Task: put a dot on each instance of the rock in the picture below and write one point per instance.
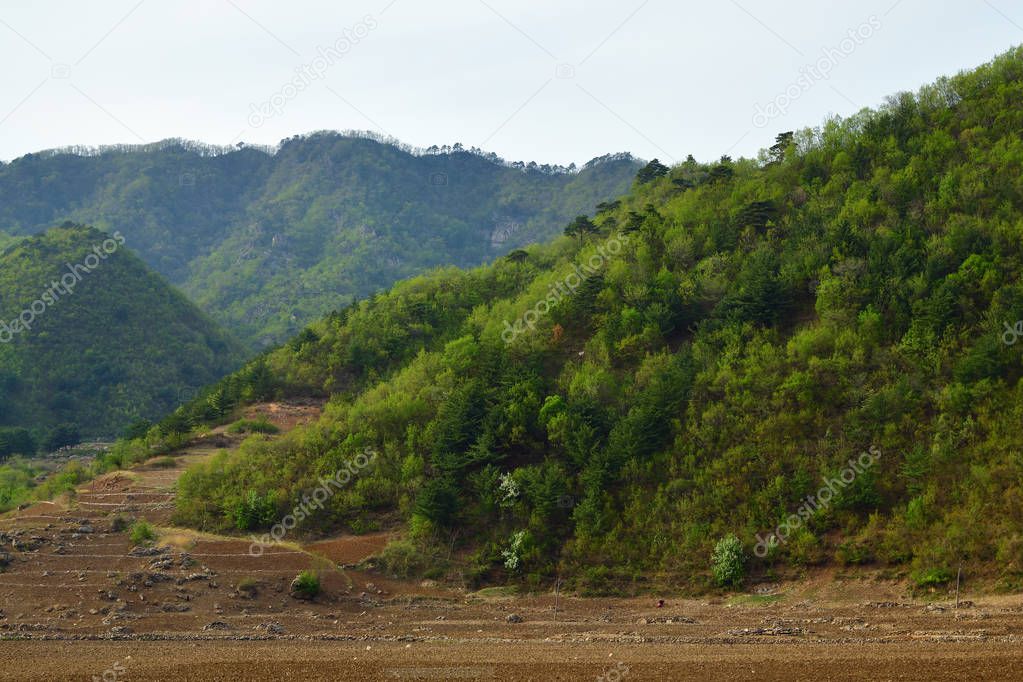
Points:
(514, 618)
(120, 630)
(175, 608)
(87, 529)
(769, 632)
(216, 625)
(271, 627)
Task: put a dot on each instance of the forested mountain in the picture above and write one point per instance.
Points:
(266, 241)
(91, 340)
(700, 360)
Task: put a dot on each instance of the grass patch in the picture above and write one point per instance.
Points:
(505, 592)
(259, 425)
(163, 462)
(754, 599)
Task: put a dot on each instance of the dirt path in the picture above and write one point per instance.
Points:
(77, 601)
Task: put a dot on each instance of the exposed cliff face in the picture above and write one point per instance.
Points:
(504, 229)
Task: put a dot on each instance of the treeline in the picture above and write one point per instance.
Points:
(268, 240)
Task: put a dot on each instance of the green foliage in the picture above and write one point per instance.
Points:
(254, 511)
(728, 562)
(306, 584)
(403, 559)
(141, 533)
(62, 435)
(745, 340)
(927, 578)
(16, 441)
(16, 483)
(260, 425)
(581, 227)
(116, 347)
(650, 172)
(267, 242)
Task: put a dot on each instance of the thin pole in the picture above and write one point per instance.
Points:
(958, 576)
(557, 597)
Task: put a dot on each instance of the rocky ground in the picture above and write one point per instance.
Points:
(78, 600)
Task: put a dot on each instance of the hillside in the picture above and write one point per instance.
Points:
(816, 346)
(267, 241)
(91, 340)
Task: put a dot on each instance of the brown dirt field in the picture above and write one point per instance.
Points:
(352, 549)
(76, 599)
(511, 661)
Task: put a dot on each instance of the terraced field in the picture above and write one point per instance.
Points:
(78, 600)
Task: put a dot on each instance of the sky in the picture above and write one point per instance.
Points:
(552, 81)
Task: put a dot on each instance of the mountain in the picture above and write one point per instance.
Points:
(267, 240)
(744, 367)
(91, 340)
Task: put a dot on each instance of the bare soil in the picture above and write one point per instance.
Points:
(77, 601)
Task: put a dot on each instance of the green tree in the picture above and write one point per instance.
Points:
(650, 172)
(581, 227)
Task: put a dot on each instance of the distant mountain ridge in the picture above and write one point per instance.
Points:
(267, 239)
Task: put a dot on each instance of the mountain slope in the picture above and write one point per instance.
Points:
(90, 337)
(267, 241)
(815, 351)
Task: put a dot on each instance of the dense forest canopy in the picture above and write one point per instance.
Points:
(267, 240)
(692, 371)
(91, 340)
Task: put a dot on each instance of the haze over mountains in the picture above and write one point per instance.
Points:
(266, 241)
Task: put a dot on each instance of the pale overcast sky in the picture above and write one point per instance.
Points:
(556, 81)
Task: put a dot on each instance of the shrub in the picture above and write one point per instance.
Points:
(254, 511)
(119, 523)
(805, 549)
(306, 585)
(248, 587)
(402, 559)
(926, 578)
(852, 552)
(728, 562)
(142, 533)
